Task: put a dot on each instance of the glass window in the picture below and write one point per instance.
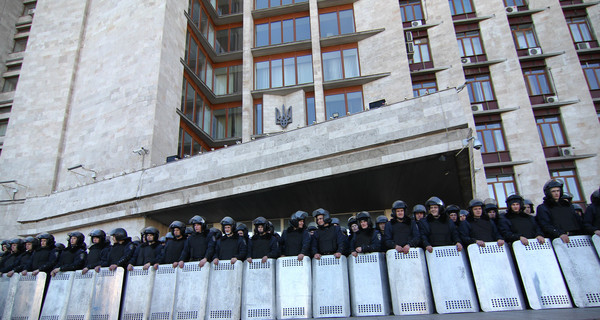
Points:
(209, 76)
(289, 66)
(222, 41)
(338, 105)
(491, 137)
(592, 74)
(187, 144)
(550, 131)
(276, 73)
(570, 182)
(234, 124)
(355, 103)
(524, 36)
(193, 55)
(580, 30)
(201, 66)
(207, 118)
(537, 82)
(262, 79)
(235, 79)
(302, 28)
(199, 111)
(511, 3)
(261, 4)
(285, 31)
(411, 10)
(336, 23)
(500, 187)
(189, 102)
(10, 84)
(480, 88)
(288, 30)
(351, 63)
(20, 45)
(424, 87)
(219, 123)
(262, 35)
(223, 7)
(220, 81)
(204, 24)
(258, 118)
(311, 114)
(305, 70)
(332, 65)
(460, 6)
(469, 43)
(3, 126)
(276, 32)
(283, 72)
(235, 39)
(420, 51)
(346, 21)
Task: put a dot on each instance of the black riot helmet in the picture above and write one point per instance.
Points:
(296, 217)
(515, 198)
(49, 238)
(419, 208)
(100, 234)
(153, 231)
(228, 221)
(33, 240)
(270, 227)
(577, 207)
(241, 227)
(364, 215)
(198, 220)
(435, 201)
(169, 236)
(398, 204)
(335, 221)
(595, 197)
(80, 237)
(529, 203)
(119, 233)
(352, 220)
(189, 231)
(552, 183)
(6, 243)
(260, 221)
(475, 203)
(19, 243)
(324, 213)
(312, 226)
(179, 225)
(452, 209)
(490, 204)
(381, 219)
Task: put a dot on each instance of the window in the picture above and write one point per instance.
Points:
(570, 183)
(592, 74)
(491, 137)
(537, 82)
(480, 88)
(263, 4)
(421, 51)
(20, 45)
(524, 36)
(340, 64)
(500, 187)
(341, 104)
(424, 87)
(225, 7)
(336, 23)
(580, 30)
(258, 118)
(287, 71)
(3, 126)
(27, 7)
(226, 123)
(229, 40)
(411, 10)
(469, 43)
(512, 3)
(311, 114)
(10, 84)
(460, 6)
(282, 31)
(550, 131)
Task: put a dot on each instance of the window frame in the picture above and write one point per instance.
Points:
(569, 181)
(553, 125)
(467, 36)
(280, 19)
(412, 4)
(453, 11)
(503, 180)
(585, 22)
(345, 92)
(525, 29)
(341, 49)
(417, 93)
(538, 73)
(485, 84)
(282, 57)
(337, 10)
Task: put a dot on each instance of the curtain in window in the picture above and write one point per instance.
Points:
(305, 70)
(261, 75)
(351, 68)
(332, 66)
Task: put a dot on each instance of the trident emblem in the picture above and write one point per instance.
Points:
(282, 117)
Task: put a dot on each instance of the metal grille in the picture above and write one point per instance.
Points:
(99, 317)
(293, 311)
(292, 263)
(448, 252)
(368, 308)
(331, 309)
(19, 318)
(165, 270)
(593, 297)
(75, 317)
(259, 265)
(491, 249)
(88, 275)
(28, 278)
(134, 316)
(366, 259)
(62, 276)
(224, 266)
(160, 315)
(554, 300)
(55, 317)
(329, 261)
(185, 315)
(505, 302)
(220, 314)
(535, 245)
(413, 306)
(259, 313)
(138, 272)
(458, 304)
(579, 242)
(106, 273)
(191, 267)
(409, 255)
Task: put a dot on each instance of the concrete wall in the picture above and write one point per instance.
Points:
(11, 11)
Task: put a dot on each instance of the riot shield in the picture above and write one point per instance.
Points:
(106, 300)
(294, 288)
(225, 287)
(258, 290)
(409, 282)
(191, 291)
(369, 285)
(57, 296)
(139, 284)
(331, 296)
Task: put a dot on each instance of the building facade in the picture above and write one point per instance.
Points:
(136, 113)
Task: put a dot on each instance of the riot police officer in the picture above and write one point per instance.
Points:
(437, 229)
(73, 257)
(263, 245)
(230, 245)
(592, 212)
(478, 228)
(149, 252)
(518, 225)
(98, 252)
(295, 240)
(327, 239)
(353, 227)
(312, 228)
(199, 246)
(401, 232)
(452, 212)
(46, 255)
(12, 260)
(529, 207)
(242, 231)
(121, 250)
(367, 239)
(31, 244)
(173, 249)
(419, 212)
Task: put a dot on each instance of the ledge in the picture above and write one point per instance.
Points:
(524, 13)
(471, 20)
(506, 164)
(422, 27)
(282, 91)
(221, 20)
(428, 71)
(356, 81)
(349, 38)
(280, 10)
(541, 56)
(586, 51)
(282, 48)
(333, 3)
(206, 137)
(470, 65)
(575, 157)
(212, 55)
(493, 111)
(580, 5)
(554, 104)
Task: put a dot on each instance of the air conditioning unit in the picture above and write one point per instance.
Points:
(567, 151)
(409, 36)
(534, 51)
(465, 60)
(511, 9)
(31, 11)
(410, 47)
(417, 23)
(583, 45)
(477, 107)
(551, 99)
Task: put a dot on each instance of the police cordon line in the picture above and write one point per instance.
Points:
(442, 259)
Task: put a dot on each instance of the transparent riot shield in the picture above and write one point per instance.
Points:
(258, 290)
(596, 241)
(331, 296)
(108, 288)
(57, 296)
(409, 282)
(495, 277)
(225, 287)
(163, 293)
(80, 299)
(13, 285)
(28, 297)
(369, 284)
(451, 280)
(4, 287)
(581, 267)
(191, 291)
(540, 273)
(139, 284)
(294, 288)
